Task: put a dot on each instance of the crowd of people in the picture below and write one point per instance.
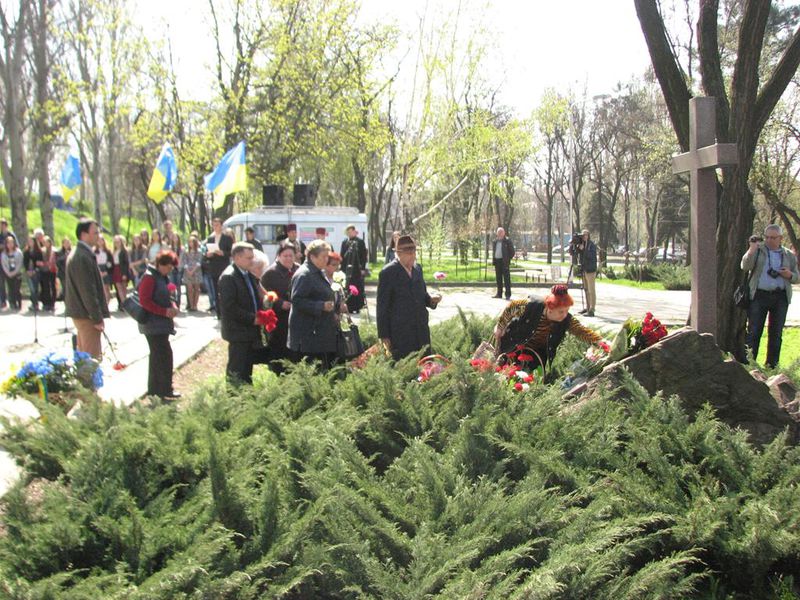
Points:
(311, 290)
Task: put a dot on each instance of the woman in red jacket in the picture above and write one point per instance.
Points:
(158, 300)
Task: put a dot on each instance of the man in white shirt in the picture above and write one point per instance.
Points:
(773, 271)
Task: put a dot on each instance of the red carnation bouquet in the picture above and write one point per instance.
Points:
(267, 319)
(644, 334)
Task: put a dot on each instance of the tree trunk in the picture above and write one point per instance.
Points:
(11, 72)
(45, 203)
(736, 216)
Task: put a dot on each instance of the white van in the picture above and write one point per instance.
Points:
(270, 223)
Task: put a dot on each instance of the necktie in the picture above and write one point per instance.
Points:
(252, 291)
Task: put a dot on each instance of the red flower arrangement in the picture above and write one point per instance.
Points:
(651, 332)
(267, 319)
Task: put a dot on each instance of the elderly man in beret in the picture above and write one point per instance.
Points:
(403, 301)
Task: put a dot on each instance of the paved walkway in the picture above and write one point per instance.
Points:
(194, 331)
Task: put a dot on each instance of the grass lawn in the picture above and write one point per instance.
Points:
(64, 224)
(470, 273)
(474, 272)
(790, 350)
(644, 285)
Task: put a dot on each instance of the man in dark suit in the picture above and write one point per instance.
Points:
(250, 238)
(240, 299)
(84, 297)
(217, 259)
(403, 300)
(354, 264)
(502, 253)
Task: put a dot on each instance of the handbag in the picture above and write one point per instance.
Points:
(348, 342)
(741, 295)
(133, 307)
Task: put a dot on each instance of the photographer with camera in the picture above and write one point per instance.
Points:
(584, 251)
(774, 270)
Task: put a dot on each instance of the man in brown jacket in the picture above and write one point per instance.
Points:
(83, 290)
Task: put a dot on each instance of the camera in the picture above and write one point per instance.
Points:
(755, 238)
(576, 246)
(773, 273)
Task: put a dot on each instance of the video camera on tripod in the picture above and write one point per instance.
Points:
(576, 248)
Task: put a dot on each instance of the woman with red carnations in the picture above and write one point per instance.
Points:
(157, 297)
(532, 329)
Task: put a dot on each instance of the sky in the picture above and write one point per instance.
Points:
(535, 44)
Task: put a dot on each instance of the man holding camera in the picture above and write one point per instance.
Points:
(773, 271)
(587, 251)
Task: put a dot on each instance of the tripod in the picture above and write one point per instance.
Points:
(35, 323)
(569, 282)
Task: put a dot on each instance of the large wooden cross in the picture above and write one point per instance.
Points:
(704, 156)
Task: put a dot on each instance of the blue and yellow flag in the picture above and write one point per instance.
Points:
(70, 177)
(230, 175)
(164, 175)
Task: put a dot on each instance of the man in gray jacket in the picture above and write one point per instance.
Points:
(83, 290)
(774, 270)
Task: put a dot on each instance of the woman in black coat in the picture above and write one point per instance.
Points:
(312, 321)
(156, 299)
(403, 301)
(278, 278)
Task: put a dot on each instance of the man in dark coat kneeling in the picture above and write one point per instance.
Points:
(403, 300)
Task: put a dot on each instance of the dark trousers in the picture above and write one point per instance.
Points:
(47, 283)
(2, 287)
(33, 287)
(211, 280)
(356, 302)
(176, 277)
(241, 358)
(277, 356)
(326, 360)
(502, 275)
(14, 293)
(776, 306)
(159, 376)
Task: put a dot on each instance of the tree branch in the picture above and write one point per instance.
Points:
(710, 65)
(665, 64)
(772, 91)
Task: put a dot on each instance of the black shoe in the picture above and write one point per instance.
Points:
(508, 297)
(171, 397)
(584, 311)
(497, 296)
(590, 313)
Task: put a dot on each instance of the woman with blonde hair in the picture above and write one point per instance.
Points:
(47, 275)
(105, 264)
(190, 261)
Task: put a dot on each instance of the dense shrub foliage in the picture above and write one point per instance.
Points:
(674, 277)
(371, 485)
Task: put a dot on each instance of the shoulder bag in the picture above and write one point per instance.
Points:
(348, 342)
(741, 295)
(133, 307)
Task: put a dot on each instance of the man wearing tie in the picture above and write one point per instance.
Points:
(241, 297)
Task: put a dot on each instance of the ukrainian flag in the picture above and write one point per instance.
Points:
(164, 175)
(70, 177)
(230, 175)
